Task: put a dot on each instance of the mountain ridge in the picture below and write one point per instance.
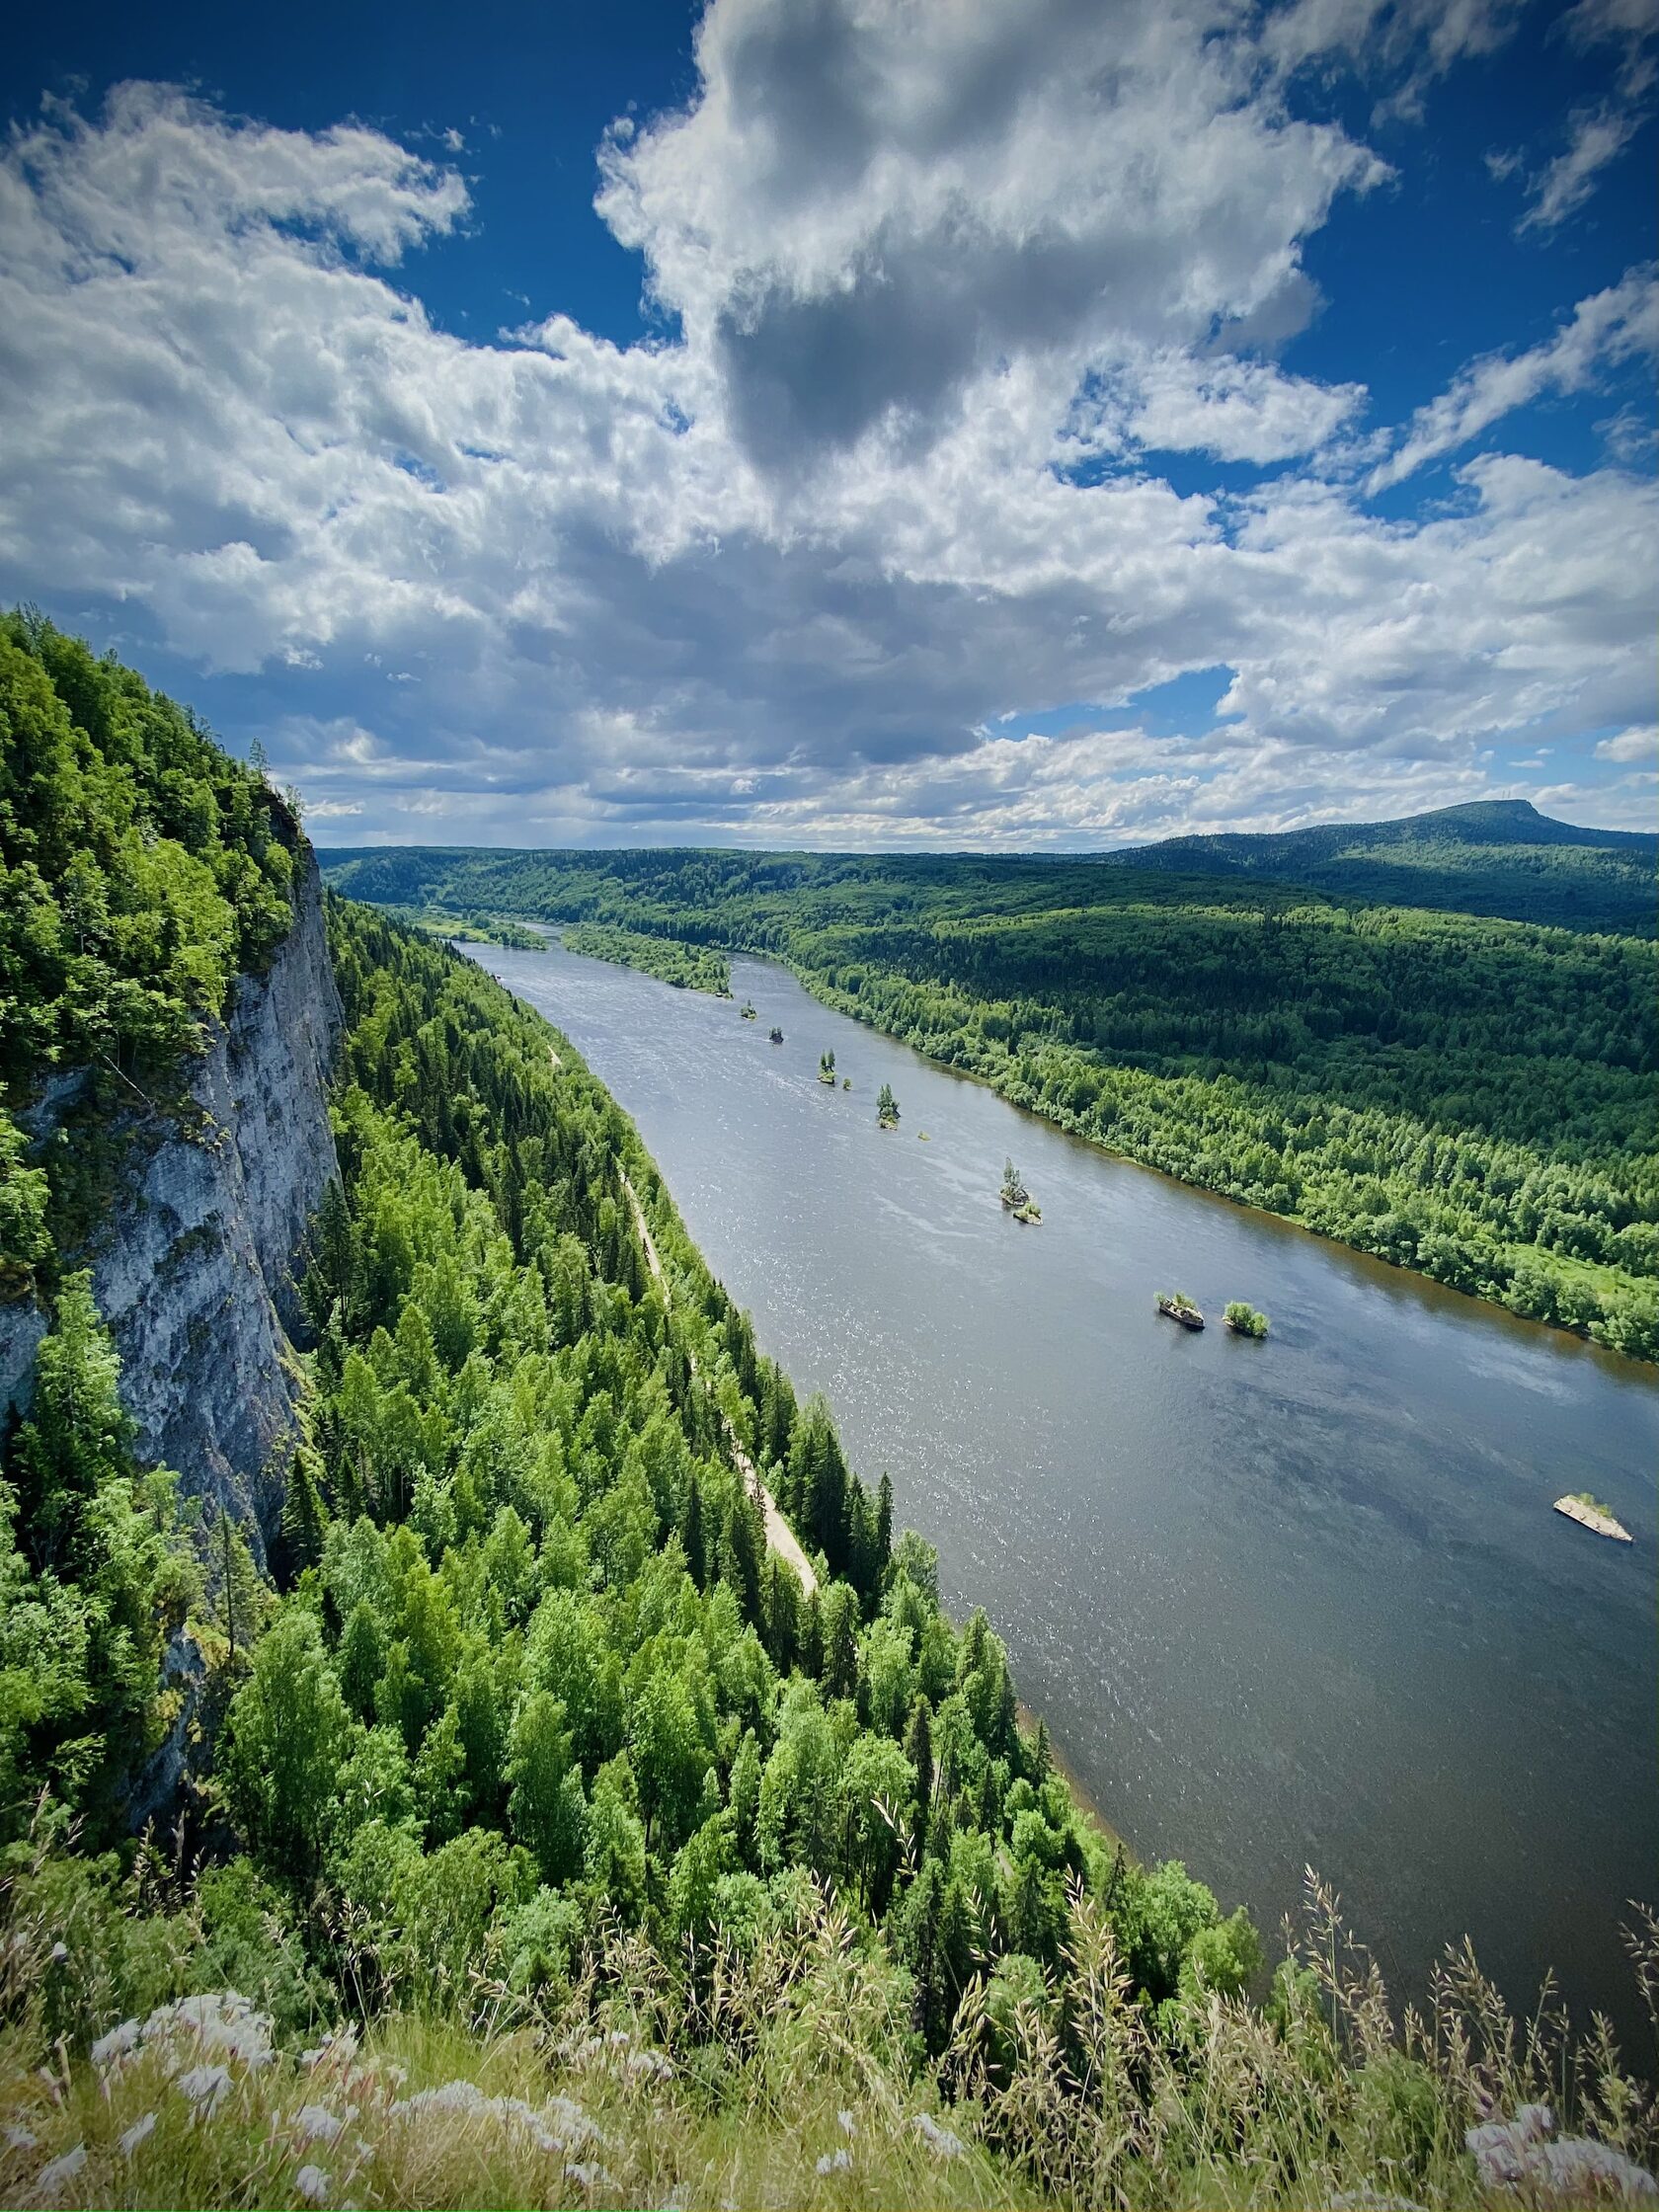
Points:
(1496, 858)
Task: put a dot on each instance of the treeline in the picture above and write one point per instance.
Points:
(1469, 1097)
(686, 967)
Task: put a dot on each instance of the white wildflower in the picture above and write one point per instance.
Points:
(1579, 2168)
(59, 1952)
(338, 2048)
(206, 2087)
(617, 2037)
(313, 2184)
(116, 2043)
(589, 2176)
(1518, 2155)
(848, 2125)
(571, 2120)
(221, 2024)
(139, 2132)
(944, 2141)
(19, 2139)
(836, 2162)
(317, 2124)
(642, 2063)
(448, 2096)
(52, 2177)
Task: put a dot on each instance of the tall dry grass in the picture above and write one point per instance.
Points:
(784, 2071)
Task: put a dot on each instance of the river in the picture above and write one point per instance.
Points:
(1295, 1603)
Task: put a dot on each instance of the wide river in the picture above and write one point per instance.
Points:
(1289, 1603)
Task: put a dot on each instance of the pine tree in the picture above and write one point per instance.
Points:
(691, 1537)
(305, 1515)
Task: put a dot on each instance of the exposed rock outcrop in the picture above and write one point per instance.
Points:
(192, 1269)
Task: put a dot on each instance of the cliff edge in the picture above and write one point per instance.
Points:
(193, 1269)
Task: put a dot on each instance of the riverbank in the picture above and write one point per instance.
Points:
(1008, 1083)
(780, 1537)
(1257, 1595)
(1081, 1795)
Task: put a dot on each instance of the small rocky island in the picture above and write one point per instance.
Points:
(1175, 1305)
(826, 1068)
(1590, 1513)
(1015, 1196)
(777, 1036)
(748, 1010)
(887, 1108)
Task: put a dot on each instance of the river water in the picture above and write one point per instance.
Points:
(1294, 1602)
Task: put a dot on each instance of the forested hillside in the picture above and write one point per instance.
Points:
(531, 1832)
(1495, 856)
(141, 871)
(1470, 1097)
(555, 1846)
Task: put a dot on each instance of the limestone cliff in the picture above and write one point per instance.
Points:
(193, 1269)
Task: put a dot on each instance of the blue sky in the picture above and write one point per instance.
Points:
(1045, 422)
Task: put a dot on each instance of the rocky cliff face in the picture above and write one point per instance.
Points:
(192, 1270)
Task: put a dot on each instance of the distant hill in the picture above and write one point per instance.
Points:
(1494, 856)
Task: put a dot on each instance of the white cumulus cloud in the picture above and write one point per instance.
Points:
(938, 285)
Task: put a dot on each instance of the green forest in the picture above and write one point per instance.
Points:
(1490, 857)
(1469, 1096)
(686, 967)
(547, 1837)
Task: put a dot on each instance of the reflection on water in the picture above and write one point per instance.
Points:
(1300, 1602)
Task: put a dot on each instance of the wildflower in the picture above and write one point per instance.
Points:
(448, 2096)
(139, 2132)
(317, 2124)
(942, 2140)
(591, 2176)
(313, 2184)
(836, 2162)
(206, 2087)
(59, 1952)
(650, 2062)
(338, 2046)
(19, 2139)
(848, 2125)
(1518, 2155)
(116, 2043)
(222, 2022)
(1579, 2168)
(52, 2177)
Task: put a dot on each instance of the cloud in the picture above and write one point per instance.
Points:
(870, 207)
(1611, 326)
(1597, 130)
(687, 588)
(1637, 743)
(1406, 44)
(1598, 136)
(1236, 410)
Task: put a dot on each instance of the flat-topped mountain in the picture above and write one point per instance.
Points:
(1491, 856)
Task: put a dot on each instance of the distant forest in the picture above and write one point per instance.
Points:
(1498, 856)
(1463, 1094)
